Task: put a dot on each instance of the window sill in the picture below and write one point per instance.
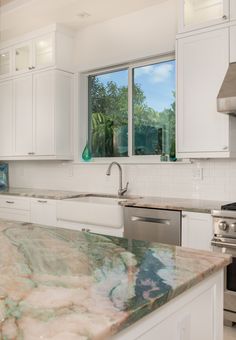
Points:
(134, 161)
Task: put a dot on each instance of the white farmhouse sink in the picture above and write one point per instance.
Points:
(92, 210)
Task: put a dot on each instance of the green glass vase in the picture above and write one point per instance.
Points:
(86, 155)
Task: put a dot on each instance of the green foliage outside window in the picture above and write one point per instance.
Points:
(153, 131)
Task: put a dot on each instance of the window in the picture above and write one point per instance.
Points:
(132, 111)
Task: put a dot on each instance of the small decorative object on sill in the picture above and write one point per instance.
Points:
(86, 155)
(4, 181)
(164, 157)
(173, 158)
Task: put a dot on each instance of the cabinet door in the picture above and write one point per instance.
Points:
(233, 43)
(22, 58)
(197, 230)
(43, 212)
(44, 51)
(23, 113)
(201, 13)
(6, 118)
(203, 60)
(232, 10)
(44, 113)
(5, 63)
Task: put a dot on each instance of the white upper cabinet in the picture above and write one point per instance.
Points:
(36, 101)
(203, 60)
(233, 43)
(34, 54)
(44, 85)
(23, 118)
(36, 116)
(6, 111)
(232, 10)
(202, 13)
(52, 49)
(22, 58)
(5, 62)
(44, 51)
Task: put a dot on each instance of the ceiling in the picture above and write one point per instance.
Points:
(20, 16)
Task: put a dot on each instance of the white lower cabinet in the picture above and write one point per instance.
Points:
(15, 208)
(43, 212)
(197, 230)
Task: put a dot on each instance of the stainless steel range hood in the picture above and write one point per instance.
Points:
(226, 100)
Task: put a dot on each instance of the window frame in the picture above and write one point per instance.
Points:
(84, 97)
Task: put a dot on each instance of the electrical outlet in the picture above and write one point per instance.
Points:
(198, 174)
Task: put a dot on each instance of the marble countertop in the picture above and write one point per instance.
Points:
(40, 193)
(65, 284)
(194, 205)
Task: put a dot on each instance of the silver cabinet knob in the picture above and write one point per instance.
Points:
(223, 226)
(224, 17)
(31, 153)
(225, 147)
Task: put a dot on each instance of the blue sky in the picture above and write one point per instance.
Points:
(157, 81)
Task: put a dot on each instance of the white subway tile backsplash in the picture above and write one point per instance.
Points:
(218, 183)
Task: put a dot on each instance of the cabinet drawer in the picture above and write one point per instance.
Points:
(43, 212)
(12, 202)
(15, 214)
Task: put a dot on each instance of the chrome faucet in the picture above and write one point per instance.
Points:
(121, 190)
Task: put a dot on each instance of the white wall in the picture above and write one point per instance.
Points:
(142, 34)
(145, 33)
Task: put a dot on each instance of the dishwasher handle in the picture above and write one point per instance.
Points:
(150, 220)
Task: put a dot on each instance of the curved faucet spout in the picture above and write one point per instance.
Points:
(121, 190)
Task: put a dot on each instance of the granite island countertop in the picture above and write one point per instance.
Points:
(64, 284)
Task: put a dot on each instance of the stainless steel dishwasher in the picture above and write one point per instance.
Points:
(154, 225)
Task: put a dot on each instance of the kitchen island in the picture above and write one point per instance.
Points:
(64, 284)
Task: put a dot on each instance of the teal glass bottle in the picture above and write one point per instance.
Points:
(87, 155)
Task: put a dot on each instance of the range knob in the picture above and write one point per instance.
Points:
(223, 226)
(233, 226)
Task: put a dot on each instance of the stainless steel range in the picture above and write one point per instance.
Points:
(224, 241)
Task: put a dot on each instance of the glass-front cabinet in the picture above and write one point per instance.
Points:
(5, 63)
(34, 54)
(22, 58)
(201, 13)
(43, 48)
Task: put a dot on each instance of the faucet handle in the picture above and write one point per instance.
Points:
(126, 187)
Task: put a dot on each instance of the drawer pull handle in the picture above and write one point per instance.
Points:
(150, 220)
(42, 201)
(86, 230)
(10, 202)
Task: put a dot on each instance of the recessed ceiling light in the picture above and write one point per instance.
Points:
(83, 15)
